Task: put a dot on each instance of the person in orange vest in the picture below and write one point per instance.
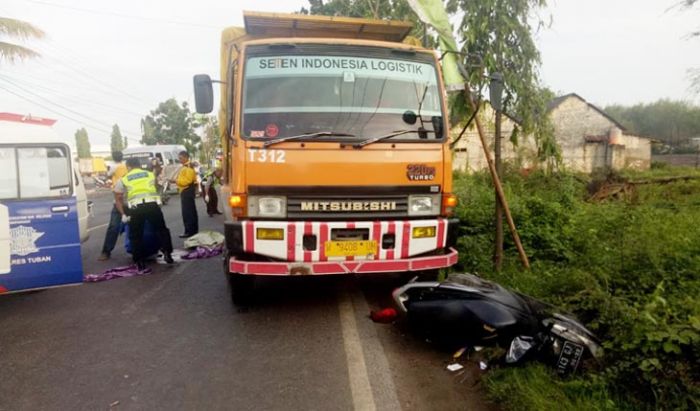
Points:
(187, 186)
(116, 173)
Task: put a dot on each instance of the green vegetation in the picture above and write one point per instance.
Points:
(672, 122)
(21, 30)
(627, 267)
(171, 123)
(116, 140)
(82, 143)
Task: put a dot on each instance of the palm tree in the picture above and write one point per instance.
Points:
(21, 30)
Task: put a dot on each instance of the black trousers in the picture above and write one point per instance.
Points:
(213, 204)
(189, 210)
(139, 215)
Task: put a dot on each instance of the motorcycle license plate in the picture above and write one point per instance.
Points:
(350, 248)
(569, 358)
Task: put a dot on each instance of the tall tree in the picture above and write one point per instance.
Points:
(500, 33)
(170, 123)
(19, 30)
(374, 9)
(210, 139)
(693, 73)
(672, 122)
(116, 139)
(82, 143)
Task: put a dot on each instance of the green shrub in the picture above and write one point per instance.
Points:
(630, 269)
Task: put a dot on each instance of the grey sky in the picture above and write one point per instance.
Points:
(107, 62)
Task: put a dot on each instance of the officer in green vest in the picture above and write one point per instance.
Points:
(143, 201)
(211, 180)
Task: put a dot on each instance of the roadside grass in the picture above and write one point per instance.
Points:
(536, 387)
(627, 266)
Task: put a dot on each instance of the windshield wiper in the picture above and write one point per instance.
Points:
(390, 135)
(307, 135)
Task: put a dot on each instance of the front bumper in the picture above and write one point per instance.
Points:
(292, 254)
(343, 267)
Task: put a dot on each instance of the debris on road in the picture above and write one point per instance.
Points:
(384, 316)
(466, 310)
(202, 252)
(118, 272)
(459, 352)
(208, 238)
(455, 367)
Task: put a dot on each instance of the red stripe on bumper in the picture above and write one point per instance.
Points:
(322, 242)
(249, 237)
(291, 241)
(441, 233)
(405, 240)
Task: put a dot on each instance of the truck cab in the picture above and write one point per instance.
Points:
(336, 153)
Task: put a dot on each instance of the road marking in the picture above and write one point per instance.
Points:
(362, 396)
(97, 226)
(380, 374)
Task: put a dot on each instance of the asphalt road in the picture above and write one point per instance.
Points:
(172, 340)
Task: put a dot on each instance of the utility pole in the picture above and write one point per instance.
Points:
(495, 95)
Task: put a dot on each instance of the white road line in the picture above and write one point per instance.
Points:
(97, 226)
(362, 396)
(380, 374)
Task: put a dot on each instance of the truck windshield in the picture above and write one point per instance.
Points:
(347, 96)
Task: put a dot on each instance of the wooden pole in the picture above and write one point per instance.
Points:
(498, 252)
(497, 182)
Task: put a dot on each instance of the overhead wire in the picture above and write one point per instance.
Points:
(68, 97)
(63, 115)
(54, 103)
(73, 55)
(124, 15)
(61, 107)
(89, 76)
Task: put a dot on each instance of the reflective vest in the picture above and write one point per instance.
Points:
(140, 187)
(212, 179)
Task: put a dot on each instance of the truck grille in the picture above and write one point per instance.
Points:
(345, 202)
(343, 207)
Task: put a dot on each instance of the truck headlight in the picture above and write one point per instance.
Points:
(267, 206)
(424, 205)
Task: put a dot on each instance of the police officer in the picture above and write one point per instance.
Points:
(144, 205)
(212, 179)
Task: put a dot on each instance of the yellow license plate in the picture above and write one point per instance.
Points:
(350, 248)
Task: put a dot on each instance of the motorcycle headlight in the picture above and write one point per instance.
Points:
(267, 207)
(424, 205)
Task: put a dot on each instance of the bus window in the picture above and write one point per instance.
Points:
(44, 172)
(8, 178)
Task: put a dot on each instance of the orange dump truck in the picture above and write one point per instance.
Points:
(336, 156)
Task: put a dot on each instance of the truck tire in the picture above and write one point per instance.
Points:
(241, 287)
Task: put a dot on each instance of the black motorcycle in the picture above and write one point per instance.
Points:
(466, 310)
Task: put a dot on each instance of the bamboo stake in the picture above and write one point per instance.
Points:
(497, 183)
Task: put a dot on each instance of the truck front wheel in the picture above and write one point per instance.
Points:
(241, 287)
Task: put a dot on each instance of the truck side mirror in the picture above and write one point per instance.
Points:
(203, 94)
